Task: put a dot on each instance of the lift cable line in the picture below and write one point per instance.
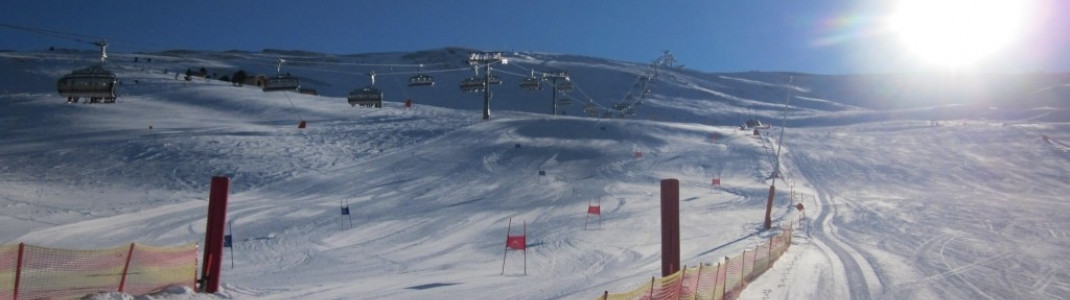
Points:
(56, 34)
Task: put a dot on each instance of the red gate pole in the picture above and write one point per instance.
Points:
(587, 216)
(599, 213)
(213, 236)
(525, 247)
(670, 226)
(504, 254)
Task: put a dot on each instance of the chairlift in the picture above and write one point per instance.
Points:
(564, 102)
(563, 86)
(421, 79)
(472, 85)
(93, 82)
(281, 83)
(368, 96)
(530, 84)
(590, 107)
(629, 111)
(494, 80)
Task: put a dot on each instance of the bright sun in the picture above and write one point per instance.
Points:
(958, 33)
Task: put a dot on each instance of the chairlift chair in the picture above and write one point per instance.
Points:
(494, 80)
(530, 84)
(366, 97)
(93, 82)
(472, 85)
(563, 86)
(421, 80)
(282, 83)
(564, 102)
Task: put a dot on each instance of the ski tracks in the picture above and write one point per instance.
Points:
(862, 280)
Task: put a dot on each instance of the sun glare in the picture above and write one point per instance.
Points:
(958, 33)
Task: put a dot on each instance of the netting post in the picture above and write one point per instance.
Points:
(18, 271)
(743, 266)
(716, 277)
(698, 278)
(213, 236)
(769, 255)
(651, 287)
(126, 267)
(680, 286)
(724, 284)
(670, 226)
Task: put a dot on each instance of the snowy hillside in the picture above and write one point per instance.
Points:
(896, 207)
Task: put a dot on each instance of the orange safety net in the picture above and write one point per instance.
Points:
(9, 259)
(154, 268)
(722, 281)
(52, 273)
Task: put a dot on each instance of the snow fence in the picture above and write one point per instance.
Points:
(33, 272)
(714, 282)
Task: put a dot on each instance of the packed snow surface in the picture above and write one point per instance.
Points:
(914, 200)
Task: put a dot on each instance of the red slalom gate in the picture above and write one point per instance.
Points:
(593, 210)
(516, 243)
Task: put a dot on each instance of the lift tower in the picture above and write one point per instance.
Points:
(485, 59)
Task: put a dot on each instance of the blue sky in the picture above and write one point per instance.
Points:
(814, 36)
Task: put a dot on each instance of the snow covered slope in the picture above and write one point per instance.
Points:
(897, 208)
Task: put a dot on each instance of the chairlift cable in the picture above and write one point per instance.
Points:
(404, 93)
(296, 111)
(55, 34)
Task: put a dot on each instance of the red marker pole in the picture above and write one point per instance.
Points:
(670, 226)
(213, 236)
